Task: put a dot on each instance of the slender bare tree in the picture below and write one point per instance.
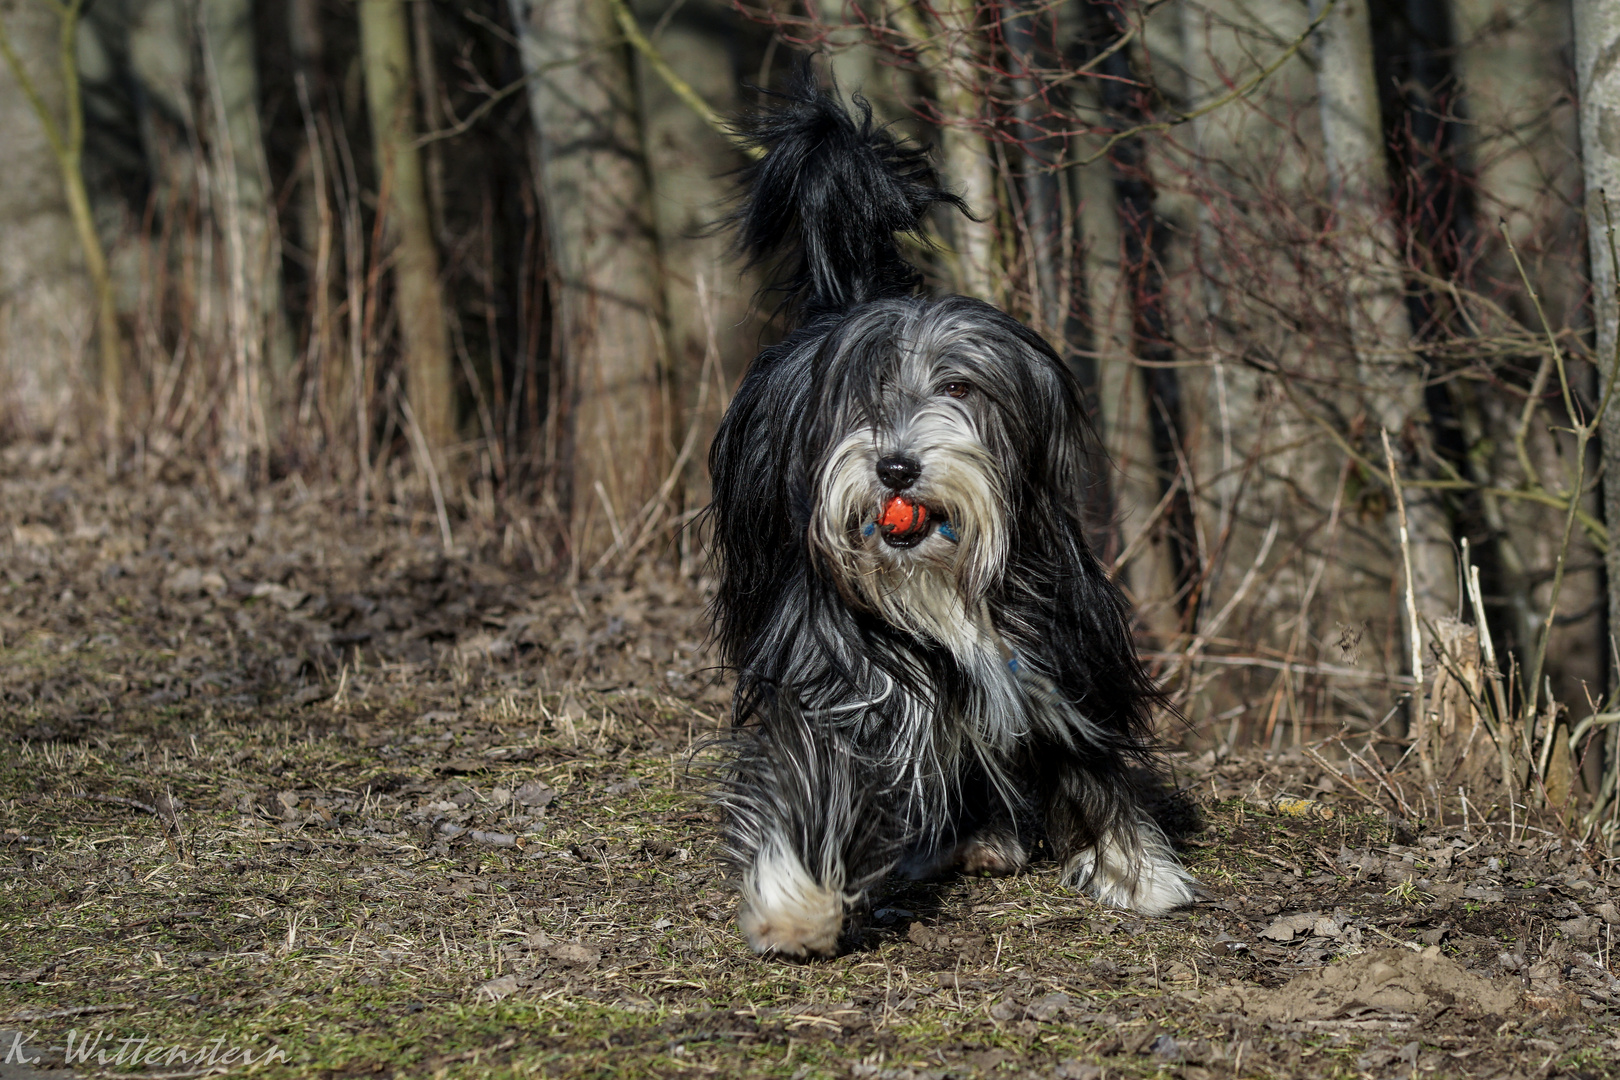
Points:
(423, 330)
(1512, 63)
(1144, 238)
(706, 303)
(1123, 510)
(950, 53)
(331, 380)
(1380, 330)
(1028, 30)
(52, 265)
(609, 409)
(853, 60)
(242, 198)
(1597, 44)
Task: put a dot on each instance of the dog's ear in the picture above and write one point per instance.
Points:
(759, 502)
(1056, 581)
(1081, 622)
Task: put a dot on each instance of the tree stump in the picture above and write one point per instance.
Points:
(1458, 742)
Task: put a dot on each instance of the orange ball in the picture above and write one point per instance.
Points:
(902, 517)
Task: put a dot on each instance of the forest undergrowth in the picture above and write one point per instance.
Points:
(274, 779)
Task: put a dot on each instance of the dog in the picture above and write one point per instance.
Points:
(934, 671)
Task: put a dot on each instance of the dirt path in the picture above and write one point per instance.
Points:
(276, 782)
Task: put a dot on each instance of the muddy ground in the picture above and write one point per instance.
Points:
(278, 782)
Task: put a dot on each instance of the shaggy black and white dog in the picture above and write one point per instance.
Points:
(934, 671)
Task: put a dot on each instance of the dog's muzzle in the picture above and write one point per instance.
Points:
(903, 522)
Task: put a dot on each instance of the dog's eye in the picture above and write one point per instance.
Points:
(958, 389)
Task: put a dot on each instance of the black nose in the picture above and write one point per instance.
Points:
(898, 472)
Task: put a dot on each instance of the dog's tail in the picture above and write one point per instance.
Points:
(822, 207)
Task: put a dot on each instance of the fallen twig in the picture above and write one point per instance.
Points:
(119, 800)
(28, 1017)
(1355, 787)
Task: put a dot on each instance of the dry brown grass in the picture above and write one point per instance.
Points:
(278, 781)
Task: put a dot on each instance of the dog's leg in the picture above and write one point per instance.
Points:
(1109, 846)
(991, 843)
(982, 838)
(988, 851)
(995, 850)
(804, 832)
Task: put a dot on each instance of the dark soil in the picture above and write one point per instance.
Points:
(274, 777)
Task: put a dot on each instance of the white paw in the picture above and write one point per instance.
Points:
(786, 910)
(1139, 873)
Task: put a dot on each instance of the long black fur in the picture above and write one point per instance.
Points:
(854, 730)
(820, 164)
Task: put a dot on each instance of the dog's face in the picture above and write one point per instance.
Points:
(934, 422)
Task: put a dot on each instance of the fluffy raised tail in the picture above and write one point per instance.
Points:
(823, 206)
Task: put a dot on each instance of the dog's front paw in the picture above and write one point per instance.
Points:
(792, 933)
(786, 910)
(1139, 873)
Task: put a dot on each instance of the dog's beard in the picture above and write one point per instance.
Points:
(936, 587)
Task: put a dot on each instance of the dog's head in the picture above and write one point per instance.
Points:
(944, 431)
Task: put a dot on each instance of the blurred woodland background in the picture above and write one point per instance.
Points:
(1335, 273)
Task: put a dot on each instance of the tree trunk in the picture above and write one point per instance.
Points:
(1132, 489)
(950, 53)
(967, 156)
(328, 379)
(423, 331)
(46, 299)
(1255, 458)
(709, 308)
(428, 89)
(1380, 331)
(1229, 433)
(1505, 89)
(853, 61)
(609, 414)
(242, 195)
(1597, 89)
(1597, 41)
(1511, 63)
(1143, 239)
(1026, 31)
